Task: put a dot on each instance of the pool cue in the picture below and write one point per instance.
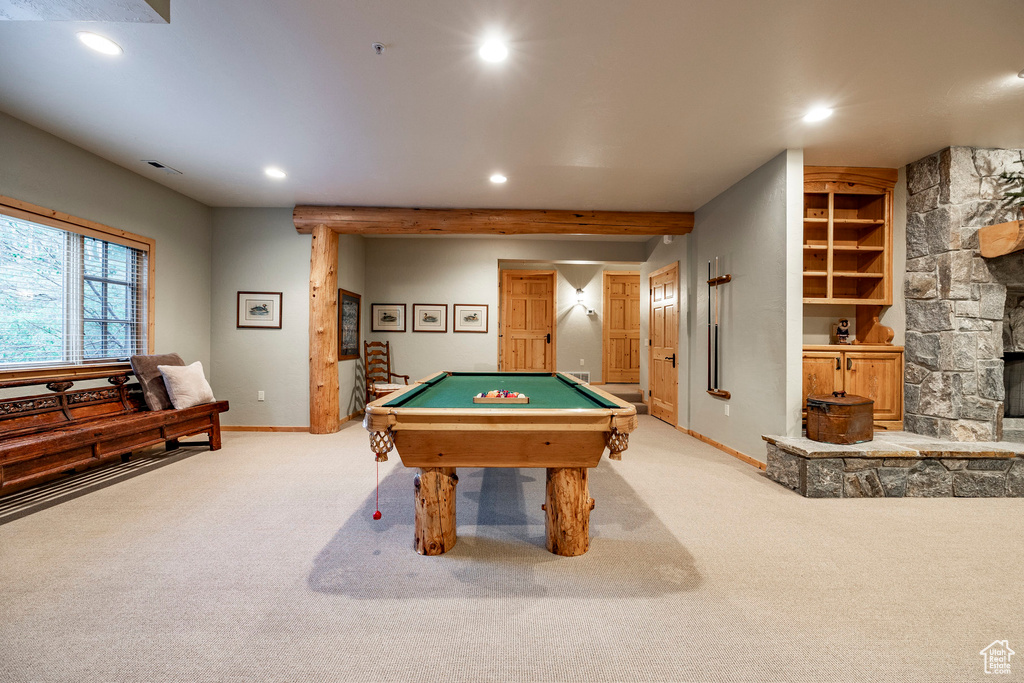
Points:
(709, 325)
(716, 325)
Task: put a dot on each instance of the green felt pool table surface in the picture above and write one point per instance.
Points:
(457, 389)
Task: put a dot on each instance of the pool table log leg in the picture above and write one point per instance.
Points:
(567, 511)
(435, 510)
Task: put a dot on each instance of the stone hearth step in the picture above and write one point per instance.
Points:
(896, 465)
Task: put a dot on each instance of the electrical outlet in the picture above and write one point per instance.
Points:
(727, 410)
(259, 395)
(581, 362)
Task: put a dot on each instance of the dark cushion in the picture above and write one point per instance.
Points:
(151, 381)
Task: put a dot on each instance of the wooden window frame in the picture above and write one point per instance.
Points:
(55, 219)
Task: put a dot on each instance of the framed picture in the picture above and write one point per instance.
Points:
(259, 309)
(348, 325)
(430, 317)
(388, 317)
(469, 318)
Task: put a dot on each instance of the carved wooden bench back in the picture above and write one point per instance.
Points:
(64, 407)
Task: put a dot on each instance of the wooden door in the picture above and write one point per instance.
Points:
(621, 327)
(663, 374)
(528, 320)
(822, 374)
(879, 376)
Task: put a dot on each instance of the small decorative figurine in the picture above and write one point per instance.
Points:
(843, 331)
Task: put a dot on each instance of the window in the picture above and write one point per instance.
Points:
(71, 293)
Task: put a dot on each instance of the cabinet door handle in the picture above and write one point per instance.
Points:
(838, 366)
(849, 364)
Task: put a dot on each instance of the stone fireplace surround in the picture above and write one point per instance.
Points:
(963, 312)
(957, 316)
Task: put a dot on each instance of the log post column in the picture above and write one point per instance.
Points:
(435, 510)
(567, 511)
(324, 411)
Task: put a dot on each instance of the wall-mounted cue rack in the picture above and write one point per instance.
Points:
(714, 283)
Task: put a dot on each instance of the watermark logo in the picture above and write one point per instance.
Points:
(997, 657)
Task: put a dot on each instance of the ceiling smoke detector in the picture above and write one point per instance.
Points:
(161, 167)
(378, 48)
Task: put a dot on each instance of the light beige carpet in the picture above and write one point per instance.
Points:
(261, 563)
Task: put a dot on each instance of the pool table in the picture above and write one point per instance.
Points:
(435, 426)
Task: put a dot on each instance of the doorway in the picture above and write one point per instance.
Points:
(620, 344)
(664, 350)
(527, 328)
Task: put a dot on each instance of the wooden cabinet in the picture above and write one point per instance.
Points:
(862, 370)
(847, 241)
(879, 376)
(822, 374)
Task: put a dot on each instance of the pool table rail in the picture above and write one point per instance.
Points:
(498, 436)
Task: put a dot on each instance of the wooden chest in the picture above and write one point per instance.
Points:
(839, 418)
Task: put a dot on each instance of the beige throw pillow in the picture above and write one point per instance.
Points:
(186, 385)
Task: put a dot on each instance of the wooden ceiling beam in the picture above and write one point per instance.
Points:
(365, 220)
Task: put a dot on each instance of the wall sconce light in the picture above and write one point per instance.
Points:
(579, 296)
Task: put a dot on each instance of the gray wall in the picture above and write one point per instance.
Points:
(460, 270)
(819, 318)
(259, 250)
(754, 228)
(39, 168)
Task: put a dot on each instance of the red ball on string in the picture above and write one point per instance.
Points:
(377, 515)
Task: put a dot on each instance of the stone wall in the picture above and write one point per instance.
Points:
(955, 298)
(1013, 322)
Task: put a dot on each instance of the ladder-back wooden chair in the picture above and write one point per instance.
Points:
(378, 371)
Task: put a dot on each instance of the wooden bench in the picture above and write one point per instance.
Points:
(43, 437)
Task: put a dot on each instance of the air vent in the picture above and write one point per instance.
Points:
(581, 376)
(161, 167)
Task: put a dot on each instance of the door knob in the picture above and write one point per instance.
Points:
(673, 359)
(549, 337)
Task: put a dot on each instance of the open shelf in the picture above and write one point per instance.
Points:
(847, 240)
(857, 222)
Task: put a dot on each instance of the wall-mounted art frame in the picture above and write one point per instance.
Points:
(258, 309)
(469, 318)
(430, 317)
(388, 317)
(349, 313)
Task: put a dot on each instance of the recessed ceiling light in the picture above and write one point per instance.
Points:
(275, 172)
(1021, 74)
(498, 179)
(818, 114)
(99, 43)
(494, 50)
